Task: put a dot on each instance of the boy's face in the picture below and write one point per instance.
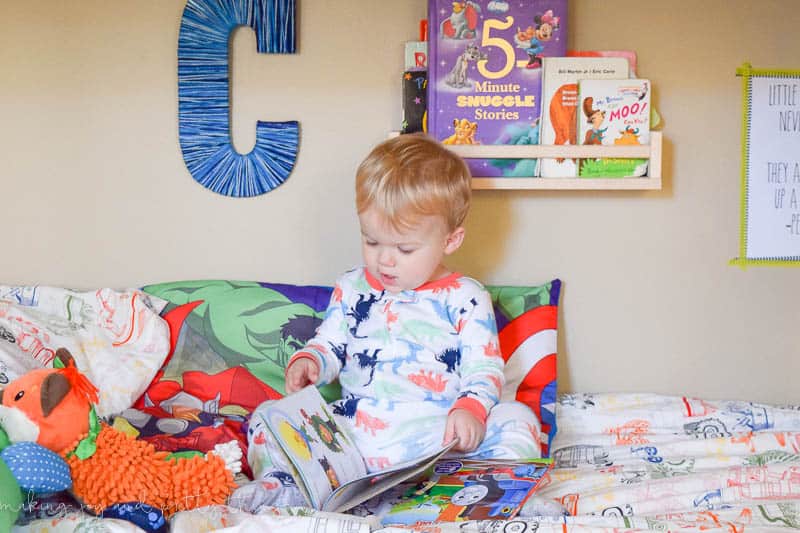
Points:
(405, 259)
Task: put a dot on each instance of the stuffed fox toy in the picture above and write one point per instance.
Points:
(53, 407)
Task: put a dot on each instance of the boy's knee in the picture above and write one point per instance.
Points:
(275, 489)
(513, 431)
(513, 410)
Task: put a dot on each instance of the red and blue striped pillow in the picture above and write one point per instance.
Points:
(527, 325)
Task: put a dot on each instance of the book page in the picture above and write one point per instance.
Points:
(462, 490)
(360, 490)
(321, 451)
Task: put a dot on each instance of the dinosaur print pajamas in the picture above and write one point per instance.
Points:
(405, 360)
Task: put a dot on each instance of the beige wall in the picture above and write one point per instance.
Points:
(95, 191)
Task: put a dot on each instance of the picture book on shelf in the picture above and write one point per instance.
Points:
(416, 52)
(327, 467)
(630, 55)
(614, 112)
(461, 490)
(485, 74)
(416, 55)
(415, 84)
(560, 103)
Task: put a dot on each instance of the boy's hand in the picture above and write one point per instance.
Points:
(302, 372)
(469, 430)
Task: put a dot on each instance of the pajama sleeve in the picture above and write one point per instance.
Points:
(328, 345)
(481, 362)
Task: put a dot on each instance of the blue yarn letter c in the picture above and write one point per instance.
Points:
(203, 89)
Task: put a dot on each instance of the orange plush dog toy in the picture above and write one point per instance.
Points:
(53, 407)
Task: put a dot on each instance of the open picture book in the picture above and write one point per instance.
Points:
(458, 490)
(327, 467)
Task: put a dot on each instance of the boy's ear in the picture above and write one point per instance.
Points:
(454, 240)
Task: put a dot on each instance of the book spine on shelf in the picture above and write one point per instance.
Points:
(415, 84)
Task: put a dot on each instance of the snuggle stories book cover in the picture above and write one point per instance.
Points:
(327, 467)
(484, 74)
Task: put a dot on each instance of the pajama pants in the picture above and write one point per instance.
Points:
(390, 434)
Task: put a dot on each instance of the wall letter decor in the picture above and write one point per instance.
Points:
(203, 89)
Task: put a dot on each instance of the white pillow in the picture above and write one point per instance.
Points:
(117, 338)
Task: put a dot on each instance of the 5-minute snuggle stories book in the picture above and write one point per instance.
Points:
(485, 75)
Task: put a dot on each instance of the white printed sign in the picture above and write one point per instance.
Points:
(772, 202)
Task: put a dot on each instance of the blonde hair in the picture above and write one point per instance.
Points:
(414, 175)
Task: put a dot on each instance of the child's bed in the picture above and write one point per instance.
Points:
(649, 462)
(622, 461)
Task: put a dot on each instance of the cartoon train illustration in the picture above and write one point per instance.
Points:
(480, 496)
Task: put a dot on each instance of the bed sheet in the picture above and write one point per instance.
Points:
(116, 337)
(622, 462)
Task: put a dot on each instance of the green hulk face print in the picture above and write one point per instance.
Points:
(244, 324)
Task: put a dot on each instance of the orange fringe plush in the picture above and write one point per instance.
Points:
(54, 406)
(124, 469)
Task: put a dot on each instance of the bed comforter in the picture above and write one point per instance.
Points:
(622, 462)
